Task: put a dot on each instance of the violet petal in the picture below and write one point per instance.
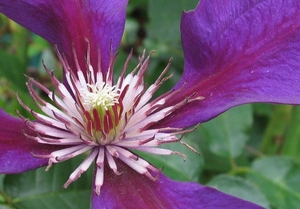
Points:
(133, 190)
(70, 23)
(16, 150)
(238, 52)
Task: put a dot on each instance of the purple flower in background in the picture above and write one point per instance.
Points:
(235, 53)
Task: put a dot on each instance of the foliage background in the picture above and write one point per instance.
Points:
(251, 151)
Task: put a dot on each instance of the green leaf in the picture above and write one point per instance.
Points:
(278, 178)
(276, 129)
(165, 16)
(239, 187)
(163, 29)
(291, 144)
(13, 70)
(1, 181)
(263, 109)
(5, 207)
(2, 199)
(39, 189)
(20, 41)
(37, 46)
(228, 133)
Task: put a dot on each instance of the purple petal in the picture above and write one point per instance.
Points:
(133, 190)
(238, 52)
(68, 23)
(16, 149)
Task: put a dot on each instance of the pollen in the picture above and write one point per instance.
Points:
(100, 95)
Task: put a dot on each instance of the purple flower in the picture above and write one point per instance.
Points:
(235, 53)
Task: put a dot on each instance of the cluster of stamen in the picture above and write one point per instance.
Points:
(100, 95)
(89, 114)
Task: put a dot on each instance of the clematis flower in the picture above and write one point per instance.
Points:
(235, 52)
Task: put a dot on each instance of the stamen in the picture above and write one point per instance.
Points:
(112, 164)
(82, 168)
(99, 179)
(100, 95)
(100, 158)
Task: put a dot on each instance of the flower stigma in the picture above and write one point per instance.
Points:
(89, 114)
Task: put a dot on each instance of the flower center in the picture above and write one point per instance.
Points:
(100, 96)
(101, 107)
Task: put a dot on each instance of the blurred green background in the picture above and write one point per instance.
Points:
(251, 151)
